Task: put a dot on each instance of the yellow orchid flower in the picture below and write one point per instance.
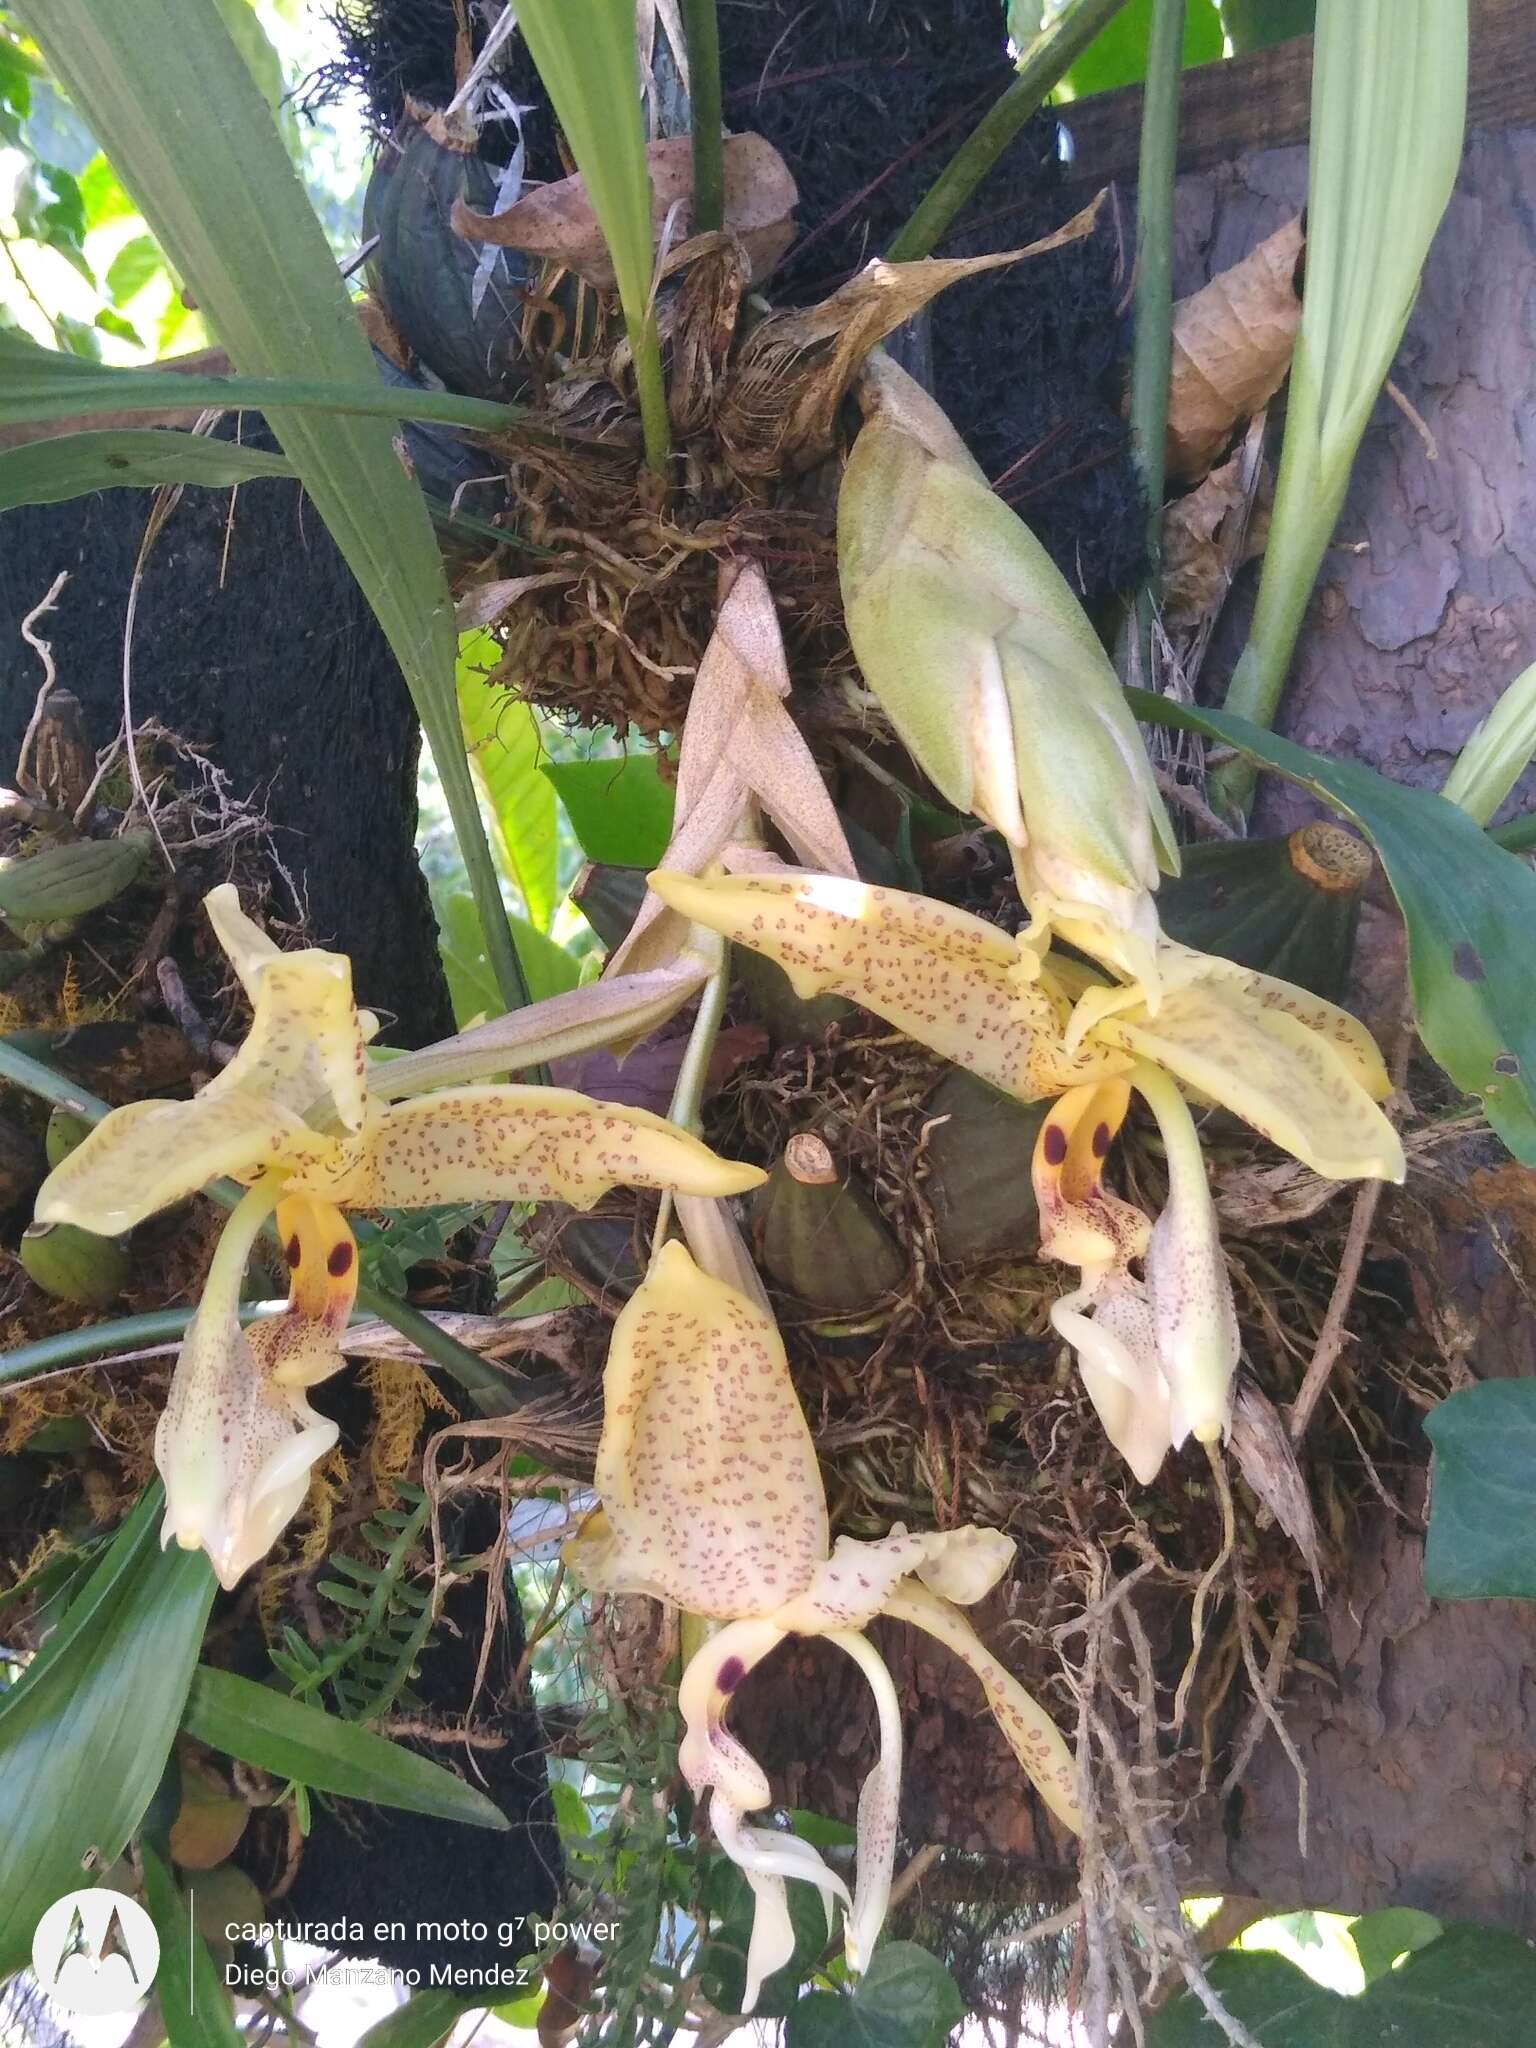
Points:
(1158, 1354)
(711, 1498)
(292, 1116)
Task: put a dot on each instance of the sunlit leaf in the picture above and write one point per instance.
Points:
(502, 734)
(620, 811)
(1118, 54)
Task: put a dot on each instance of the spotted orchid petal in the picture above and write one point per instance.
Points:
(236, 1441)
(857, 1580)
(766, 1858)
(945, 978)
(1187, 1281)
(1028, 1730)
(1301, 1071)
(1081, 1222)
(291, 1099)
(1118, 1362)
(708, 1477)
(517, 1144)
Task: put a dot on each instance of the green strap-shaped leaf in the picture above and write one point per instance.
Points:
(194, 2005)
(1470, 910)
(292, 1740)
(44, 384)
(70, 465)
(1482, 1528)
(85, 1733)
(174, 106)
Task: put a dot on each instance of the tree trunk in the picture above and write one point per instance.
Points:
(253, 642)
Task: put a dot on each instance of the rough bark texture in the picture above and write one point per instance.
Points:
(254, 642)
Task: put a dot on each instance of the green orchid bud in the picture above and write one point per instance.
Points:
(989, 669)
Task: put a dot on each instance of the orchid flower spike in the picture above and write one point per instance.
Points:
(989, 669)
(293, 1118)
(1303, 1073)
(711, 1498)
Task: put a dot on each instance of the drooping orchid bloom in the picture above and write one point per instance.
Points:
(711, 1498)
(1160, 1353)
(293, 1118)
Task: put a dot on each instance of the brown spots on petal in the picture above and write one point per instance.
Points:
(1054, 1145)
(339, 1260)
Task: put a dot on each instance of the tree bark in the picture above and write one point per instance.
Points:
(254, 642)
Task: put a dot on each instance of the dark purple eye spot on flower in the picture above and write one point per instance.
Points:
(340, 1261)
(291, 1252)
(1055, 1144)
(1100, 1140)
(731, 1673)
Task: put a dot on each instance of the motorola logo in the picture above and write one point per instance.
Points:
(95, 1952)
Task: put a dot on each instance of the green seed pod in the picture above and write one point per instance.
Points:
(75, 1265)
(65, 1132)
(979, 1182)
(821, 1235)
(1286, 906)
(64, 882)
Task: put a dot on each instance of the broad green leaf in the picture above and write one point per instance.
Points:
(461, 948)
(1389, 94)
(502, 733)
(1279, 2004)
(108, 1687)
(1469, 906)
(44, 384)
(906, 1999)
(1475, 1987)
(102, 194)
(133, 267)
(113, 458)
(426, 2018)
(1482, 1509)
(292, 1740)
(1380, 1938)
(1118, 54)
(620, 811)
(194, 2005)
(587, 61)
(1255, 24)
(548, 969)
(174, 106)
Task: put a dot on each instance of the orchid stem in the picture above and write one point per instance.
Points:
(688, 1091)
(701, 30)
(1154, 292)
(1053, 52)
